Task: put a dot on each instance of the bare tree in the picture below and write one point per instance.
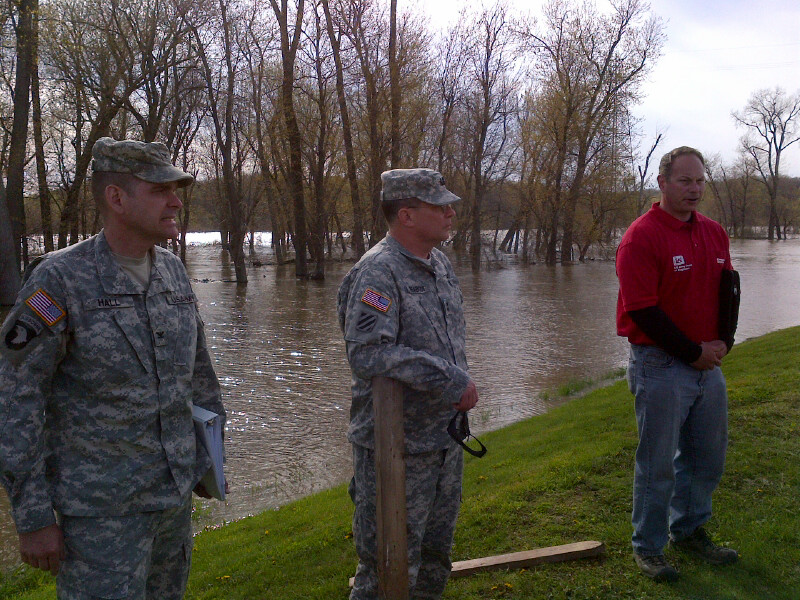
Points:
(593, 66)
(9, 265)
(641, 201)
(347, 135)
(290, 41)
(221, 89)
(489, 107)
(45, 200)
(450, 61)
(319, 131)
(17, 155)
(362, 24)
(100, 55)
(771, 122)
(394, 85)
(264, 81)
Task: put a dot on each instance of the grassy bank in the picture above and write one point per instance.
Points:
(554, 479)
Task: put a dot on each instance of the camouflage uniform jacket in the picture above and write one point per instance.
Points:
(402, 318)
(97, 380)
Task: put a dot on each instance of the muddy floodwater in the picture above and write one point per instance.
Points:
(530, 328)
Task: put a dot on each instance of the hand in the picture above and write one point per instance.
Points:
(469, 398)
(720, 348)
(713, 353)
(43, 548)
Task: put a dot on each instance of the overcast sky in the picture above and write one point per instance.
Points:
(716, 55)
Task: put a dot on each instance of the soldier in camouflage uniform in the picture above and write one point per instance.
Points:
(101, 359)
(400, 309)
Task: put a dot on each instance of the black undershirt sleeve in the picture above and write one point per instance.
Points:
(659, 327)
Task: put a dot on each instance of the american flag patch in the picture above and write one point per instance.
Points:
(376, 300)
(43, 305)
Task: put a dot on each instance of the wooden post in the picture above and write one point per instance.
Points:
(390, 473)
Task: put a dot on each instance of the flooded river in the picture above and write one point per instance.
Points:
(280, 357)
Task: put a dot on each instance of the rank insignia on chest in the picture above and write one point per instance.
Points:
(40, 303)
(376, 300)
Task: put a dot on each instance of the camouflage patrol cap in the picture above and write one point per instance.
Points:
(424, 184)
(148, 161)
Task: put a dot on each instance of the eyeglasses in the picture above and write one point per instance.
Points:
(459, 431)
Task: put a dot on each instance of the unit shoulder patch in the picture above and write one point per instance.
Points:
(20, 334)
(366, 322)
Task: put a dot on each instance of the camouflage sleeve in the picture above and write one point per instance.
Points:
(32, 343)
(205, 385)
(371, 324)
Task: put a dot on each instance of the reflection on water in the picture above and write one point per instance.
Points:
(280, 357)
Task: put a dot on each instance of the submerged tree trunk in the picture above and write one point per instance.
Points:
(38, 141)
(15, 192)
(9, 264)
(289, 46)
(347, 137)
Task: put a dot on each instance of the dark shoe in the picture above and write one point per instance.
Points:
(656, 567)
(700, 544)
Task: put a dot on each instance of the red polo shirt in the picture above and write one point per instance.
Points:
(675, 265)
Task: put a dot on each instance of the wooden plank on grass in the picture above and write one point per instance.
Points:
(529, 558)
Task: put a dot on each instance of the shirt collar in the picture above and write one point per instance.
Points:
(667, 219)
(116, 281)
(398, 247)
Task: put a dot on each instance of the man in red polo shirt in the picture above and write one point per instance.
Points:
(669, 265)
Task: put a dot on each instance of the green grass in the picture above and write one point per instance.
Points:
(557, 478)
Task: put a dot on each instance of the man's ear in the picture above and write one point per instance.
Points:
(114, 196)
(405, 217)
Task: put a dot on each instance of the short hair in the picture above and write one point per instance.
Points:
(392, 207)
(102, 179)
(665, 166)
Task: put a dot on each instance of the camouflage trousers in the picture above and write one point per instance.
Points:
(433, 497)
(135, 557)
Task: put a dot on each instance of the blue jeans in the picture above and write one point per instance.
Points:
(682, 416)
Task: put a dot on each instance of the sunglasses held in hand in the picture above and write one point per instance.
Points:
(459, 431)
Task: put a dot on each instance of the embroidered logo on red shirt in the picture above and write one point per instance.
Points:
(680, 263)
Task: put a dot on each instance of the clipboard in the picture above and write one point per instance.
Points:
(208, 429)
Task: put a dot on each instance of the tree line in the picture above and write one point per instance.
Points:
(288, 111)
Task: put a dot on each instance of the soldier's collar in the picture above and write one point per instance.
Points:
(398, 247)
(113, 278)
